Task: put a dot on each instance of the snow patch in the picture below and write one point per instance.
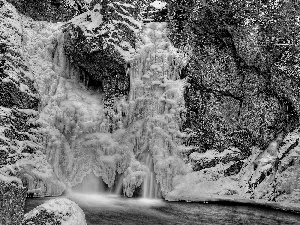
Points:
(158, 4)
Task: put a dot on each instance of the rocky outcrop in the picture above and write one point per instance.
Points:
(238, 94)
(50, 10)
(211, 158)
(12, 200)
(56, 211)
(101, 42)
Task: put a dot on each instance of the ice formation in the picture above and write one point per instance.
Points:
(74, 123)
(147, 125)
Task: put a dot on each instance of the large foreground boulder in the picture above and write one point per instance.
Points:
(56, 211)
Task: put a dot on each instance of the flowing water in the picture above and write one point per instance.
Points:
(150, 187)
(111, 209)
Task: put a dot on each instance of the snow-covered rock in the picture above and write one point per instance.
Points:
(20, 137)
(275, 176)
(212, 157)
(56, 211)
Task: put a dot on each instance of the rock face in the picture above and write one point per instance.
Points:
(211, 158)
(12, 201)
(101, 42)
(236, 95)
(56, 211)
(50, 10)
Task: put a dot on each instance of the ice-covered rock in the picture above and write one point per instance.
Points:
(56, 211)
(20, 136)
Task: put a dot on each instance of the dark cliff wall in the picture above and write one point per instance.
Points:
(244, 89)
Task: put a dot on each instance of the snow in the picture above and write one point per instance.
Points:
(112, 35)
(64, 210)
(86, 25)
(158, 4)
(10, 179)
(123, 4)
(37, 190)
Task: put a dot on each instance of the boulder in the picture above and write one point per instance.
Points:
(56, 211)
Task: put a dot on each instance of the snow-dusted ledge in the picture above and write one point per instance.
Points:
(56, 211)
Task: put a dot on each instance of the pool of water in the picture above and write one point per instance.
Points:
(109, 209)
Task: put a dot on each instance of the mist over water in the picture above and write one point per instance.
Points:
(91, 184)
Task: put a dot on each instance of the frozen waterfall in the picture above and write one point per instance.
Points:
(143, 151)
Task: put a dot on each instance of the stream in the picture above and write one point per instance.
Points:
(112, 209)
